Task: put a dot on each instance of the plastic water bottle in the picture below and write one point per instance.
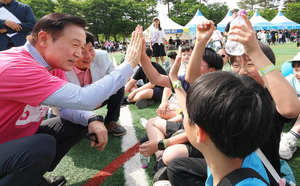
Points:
(233, 47)
(144, 161)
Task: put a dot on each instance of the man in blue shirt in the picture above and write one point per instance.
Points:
(27, 21)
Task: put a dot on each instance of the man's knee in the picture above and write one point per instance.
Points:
(31, 153)
(42, 150)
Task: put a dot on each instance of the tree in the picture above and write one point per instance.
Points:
(117, 18)
(40, 7)
(247, 5)
(268, 13)
(168, 3)
(184, 11)
(217, 11)
(69, 7)
(289, 2)
(292, 12)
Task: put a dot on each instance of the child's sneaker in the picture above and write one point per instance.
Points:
(143, 103)
(162, 183)
(287, 147)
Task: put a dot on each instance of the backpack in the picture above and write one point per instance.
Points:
(238, 175)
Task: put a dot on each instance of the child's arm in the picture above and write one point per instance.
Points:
(129, 85)
(180, 93)
(151, 73)
(150, 147)
(164, 105)
(285, 98)
(204, 32)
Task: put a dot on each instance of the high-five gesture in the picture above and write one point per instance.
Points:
(133, 55)
(205, 30)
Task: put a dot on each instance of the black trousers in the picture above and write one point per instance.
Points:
(24, 161)
(114, 103)
(187, 171)
(66, 134)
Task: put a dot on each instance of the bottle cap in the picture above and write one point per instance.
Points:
(241, 12)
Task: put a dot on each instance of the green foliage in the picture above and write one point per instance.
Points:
(184, 11)
(113, 18)
(69, 7)
(247, 5)
(268, 14)
(292, 12)
(217, 11)
(40, 7)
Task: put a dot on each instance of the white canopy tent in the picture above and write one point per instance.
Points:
(222, 25)
(171, 28)
(198, 17)
(283, 22)
(260, 23)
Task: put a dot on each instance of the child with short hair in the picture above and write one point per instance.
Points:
(288, 142)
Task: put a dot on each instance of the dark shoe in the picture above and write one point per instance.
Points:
(143, 103)
(161, 174)
(52, 181)
(158, 164)
(144, 139)
(125, 101)
(115, 128)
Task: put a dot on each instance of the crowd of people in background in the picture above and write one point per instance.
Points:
(279, 36)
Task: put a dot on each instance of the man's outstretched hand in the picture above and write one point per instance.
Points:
(134, 51)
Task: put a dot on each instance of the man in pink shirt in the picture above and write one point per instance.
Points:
(92, 66)
(30, 83)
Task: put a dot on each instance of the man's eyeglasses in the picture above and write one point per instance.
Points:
(92, 137)
(248, 67)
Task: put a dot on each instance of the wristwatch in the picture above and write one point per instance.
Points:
(177, 84)
(161, 145)
(95, 118)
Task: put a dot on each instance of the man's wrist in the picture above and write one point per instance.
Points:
(95, 118)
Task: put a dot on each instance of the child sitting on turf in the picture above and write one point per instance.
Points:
(160, 130)
(147, 94)
(288, 142)
(171, 59)
(169, 108)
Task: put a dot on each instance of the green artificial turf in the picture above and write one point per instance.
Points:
(284, 52)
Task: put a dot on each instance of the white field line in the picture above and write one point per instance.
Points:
(134, 174)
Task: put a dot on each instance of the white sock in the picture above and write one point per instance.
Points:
(294, 135)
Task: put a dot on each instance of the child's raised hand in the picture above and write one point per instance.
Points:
(247, 36)
(175, 68)
(204, 31)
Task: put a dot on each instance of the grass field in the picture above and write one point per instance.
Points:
(82, 162)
